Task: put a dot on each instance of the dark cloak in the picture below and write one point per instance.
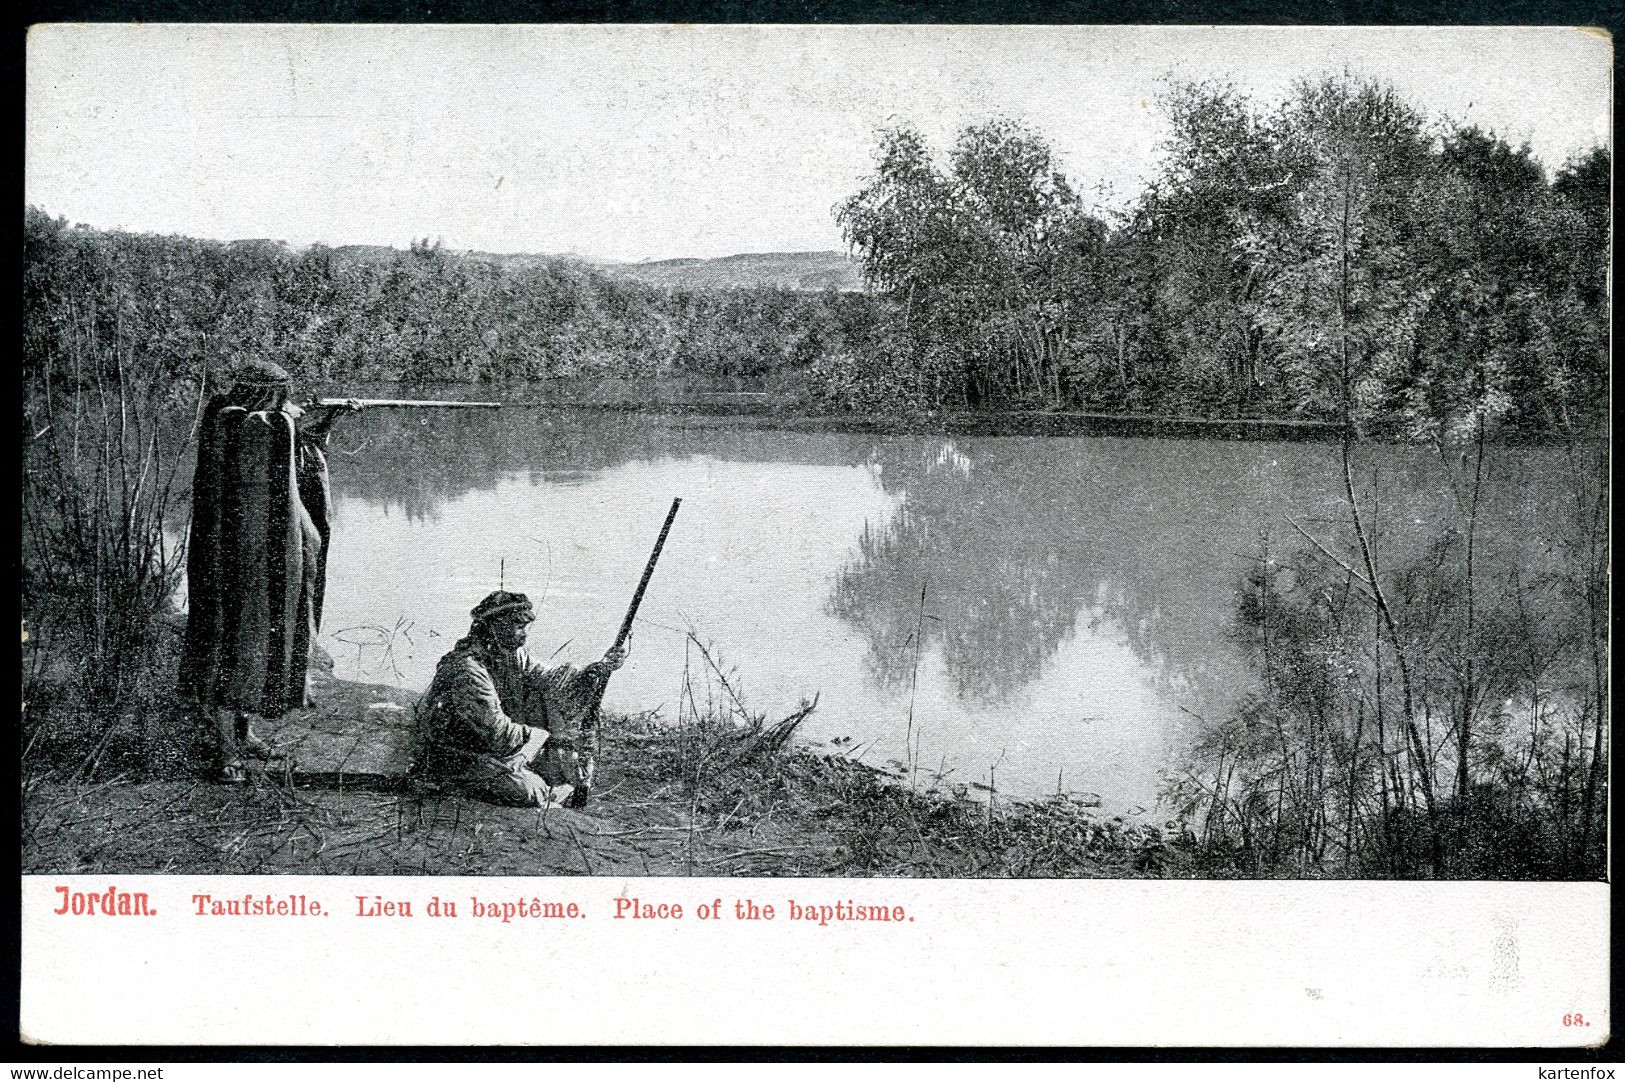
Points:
(257, 559)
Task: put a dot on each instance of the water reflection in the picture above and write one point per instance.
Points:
(416, 461)
(1021, 539)
(997, 612)
(1017, 540)
(1078, 591)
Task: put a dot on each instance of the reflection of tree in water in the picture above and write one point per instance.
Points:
(1001, 550)
(418, 460)
(1020, 539)
(998, 621)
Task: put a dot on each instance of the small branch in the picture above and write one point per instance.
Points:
(585, 862)
(754, 852)
(1354, 575)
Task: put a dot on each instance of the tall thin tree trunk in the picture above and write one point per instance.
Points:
(1596, 606)
(1469, 690)
(1382, 757)
(1354, 765)
(1408, 699)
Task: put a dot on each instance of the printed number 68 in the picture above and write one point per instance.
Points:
(1575, 1020)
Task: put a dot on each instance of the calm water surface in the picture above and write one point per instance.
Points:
(1078, 592)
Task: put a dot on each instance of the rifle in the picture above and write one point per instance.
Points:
(381, 403)
(648, 570)
(587, 750)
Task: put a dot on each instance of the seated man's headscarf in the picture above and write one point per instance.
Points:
(502, 601)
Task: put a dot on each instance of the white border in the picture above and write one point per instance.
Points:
(1099, 963)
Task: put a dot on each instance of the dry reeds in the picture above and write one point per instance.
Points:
(102, 456)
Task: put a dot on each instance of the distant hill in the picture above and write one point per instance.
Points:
(805, 271)
(515, 260)
(365, 253)
(787, 270)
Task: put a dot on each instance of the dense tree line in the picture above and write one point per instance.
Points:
(181, 306)
(1475, 286)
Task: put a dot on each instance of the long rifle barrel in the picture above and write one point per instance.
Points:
(405, 403)
(648, 570)
(587, 745)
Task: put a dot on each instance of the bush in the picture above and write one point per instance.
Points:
(892, 373)
(101, 509)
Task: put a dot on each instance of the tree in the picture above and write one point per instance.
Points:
(1344, 299)
(1222, 175)
(902, 222)
(984, 258)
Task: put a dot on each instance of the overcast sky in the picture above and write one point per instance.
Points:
(652, 142)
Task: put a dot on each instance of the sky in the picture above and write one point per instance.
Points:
(638, 142)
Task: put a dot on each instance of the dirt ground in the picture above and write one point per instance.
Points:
(669, 801)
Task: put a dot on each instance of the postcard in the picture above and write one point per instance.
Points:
(879, 535)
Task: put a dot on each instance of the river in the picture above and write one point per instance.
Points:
(1078, 592)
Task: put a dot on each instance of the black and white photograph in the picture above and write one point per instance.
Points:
(849, 453)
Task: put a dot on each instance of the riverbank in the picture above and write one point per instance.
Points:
(671, 801)
(786, 403)
(790, 405)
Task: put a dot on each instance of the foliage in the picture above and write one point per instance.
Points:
(1475, 290)
(101, 503)
(1337, 256)
(338, 315)
(986, 259)
(893, 371)
(1313, 774)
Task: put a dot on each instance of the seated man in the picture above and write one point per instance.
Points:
(499, 727)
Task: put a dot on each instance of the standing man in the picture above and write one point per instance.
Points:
(501, 728)
(257, 557)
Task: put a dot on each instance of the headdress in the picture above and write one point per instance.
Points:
(257, 373)
(502, 601)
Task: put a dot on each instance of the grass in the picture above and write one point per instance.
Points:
(865, 821)
(767, 807)
(718, 790)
